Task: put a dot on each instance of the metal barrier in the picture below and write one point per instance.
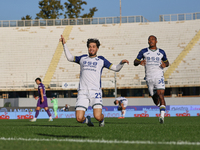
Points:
(132, 83)
(180, 17)
(76, 21)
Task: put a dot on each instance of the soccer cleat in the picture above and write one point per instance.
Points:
(33, 120)
(50, 119)
(120, 117)
(102, 124)
(90, 124)
(161, 120)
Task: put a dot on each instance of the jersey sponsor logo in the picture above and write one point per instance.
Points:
(89, 64)
(153, 59)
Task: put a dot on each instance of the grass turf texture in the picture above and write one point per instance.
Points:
(128, 129)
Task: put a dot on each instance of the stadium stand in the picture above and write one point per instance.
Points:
(30, 52)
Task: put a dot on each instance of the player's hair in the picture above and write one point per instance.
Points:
(115, 102)
(153, 36)
(93, 41)
(38, 79)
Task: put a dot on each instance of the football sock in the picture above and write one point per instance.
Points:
(101, 121)
(86, 120)
(121, 113)
(37, 113)
(162, 111)
(48, 112)
(124, 112)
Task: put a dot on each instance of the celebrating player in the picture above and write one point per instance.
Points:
(89, 90)
(154, 60)
(55, 106)
(42, 101)
(123, 102)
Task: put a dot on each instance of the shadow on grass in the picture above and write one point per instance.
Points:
(63, 136)
(130, 123)
(37, 125)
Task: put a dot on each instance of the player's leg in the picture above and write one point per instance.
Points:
(82, 104)
(152, 91)
(123, 109)
(80, 114)
(96, 102)
(55, 108)
(162, 105)
(36, 114)
(160, 86)
(97, 111)
(49, 114)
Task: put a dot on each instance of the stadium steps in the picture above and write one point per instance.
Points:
(56, 58)
(182, 55)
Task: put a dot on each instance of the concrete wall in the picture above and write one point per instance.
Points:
(31, 102)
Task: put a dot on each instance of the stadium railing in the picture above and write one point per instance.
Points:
(75, 21)
(174, 82)
(179, 17)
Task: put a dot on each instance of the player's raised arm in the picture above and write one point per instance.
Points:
(68, 55)
(118, 67)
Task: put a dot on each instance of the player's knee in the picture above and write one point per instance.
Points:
(161, 96)
(79, 118)
(98, 117)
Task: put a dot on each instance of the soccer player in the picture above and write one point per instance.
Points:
(123, 102)
(42, 101)
(66, 108)
(154, 60)
(89, 90)
(55, 106)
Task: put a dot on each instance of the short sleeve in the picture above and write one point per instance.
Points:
(39, 87)
(107, 64)
(141, 54)
(78, 58)
(164, 58)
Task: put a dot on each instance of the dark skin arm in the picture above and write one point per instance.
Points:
(143, 63)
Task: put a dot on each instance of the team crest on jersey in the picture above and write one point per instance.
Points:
(158, 54)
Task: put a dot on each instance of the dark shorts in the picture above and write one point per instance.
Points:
(44, 104)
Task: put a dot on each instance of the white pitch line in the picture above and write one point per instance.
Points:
(100, 141)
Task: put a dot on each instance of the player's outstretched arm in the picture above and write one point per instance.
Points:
(119, 66)
(68, 55)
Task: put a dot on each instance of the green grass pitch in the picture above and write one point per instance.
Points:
(115, 134)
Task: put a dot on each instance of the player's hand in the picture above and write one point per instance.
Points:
(163, 65)
(62, 39)
(42, 100)
(143, 62)
(125, 61)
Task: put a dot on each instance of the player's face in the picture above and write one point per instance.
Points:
(36, 97)
(152, 41)
(92, 50)
(117, 102)
(37, 82)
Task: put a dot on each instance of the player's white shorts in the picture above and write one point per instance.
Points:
(155, 84)
(89, 97)
(125, 103)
